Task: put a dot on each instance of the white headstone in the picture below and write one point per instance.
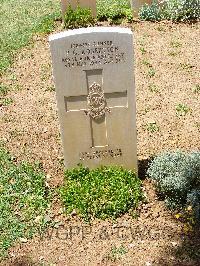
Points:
(82, 3)
(93, 72)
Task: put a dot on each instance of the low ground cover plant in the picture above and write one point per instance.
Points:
(3, 92)
(79, 17)
(105, 192)
(175, 10)
(114, 10)
(177, 176)
(182, 9)
(182, 109)
(47, 23)
(151, 12)
(24, 201)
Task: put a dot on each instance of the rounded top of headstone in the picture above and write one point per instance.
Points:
(89, 30)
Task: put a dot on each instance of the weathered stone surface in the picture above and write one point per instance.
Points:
(93, 72)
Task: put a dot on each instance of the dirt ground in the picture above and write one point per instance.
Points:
(167, 69)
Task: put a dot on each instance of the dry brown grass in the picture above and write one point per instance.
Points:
(30, 130)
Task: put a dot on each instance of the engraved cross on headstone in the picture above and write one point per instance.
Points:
(96, 104)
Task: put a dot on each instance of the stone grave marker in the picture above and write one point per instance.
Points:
(82, 3)
(93, 74)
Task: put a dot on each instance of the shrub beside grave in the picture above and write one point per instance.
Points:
(102, 193)
(182, 10)
(79, 17)
(114, 11)
(177, 176)
(151, 12)
(176, 10)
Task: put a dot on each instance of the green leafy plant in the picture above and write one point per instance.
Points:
(177, 176)
(181, 10)
(116, 254)
(114, 10)
(153, 88)
(24, 200)
(151, 72)
(146, 63)
(5, 101)
(176, 10)
(151, 12)
(152, 127)
(182, 109)
(143, 50)
(80, 17)
(147, 109)
(3, 90)
(103, 192)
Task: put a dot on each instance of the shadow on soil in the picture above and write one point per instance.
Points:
(142, 167)
(23, 261)
(185, 254)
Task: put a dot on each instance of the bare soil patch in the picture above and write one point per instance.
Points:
(167, 70)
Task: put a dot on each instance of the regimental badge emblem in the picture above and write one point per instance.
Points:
(96, 101)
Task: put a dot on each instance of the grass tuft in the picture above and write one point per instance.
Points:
(152, 127)
(19, 21)
(116, 253)
(182, 109)
(3, 90)
(5, 101)
(24, 201)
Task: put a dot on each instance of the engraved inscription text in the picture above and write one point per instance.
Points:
(93, 54)
(113, 153)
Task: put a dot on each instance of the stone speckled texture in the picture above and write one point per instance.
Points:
(93, 73)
